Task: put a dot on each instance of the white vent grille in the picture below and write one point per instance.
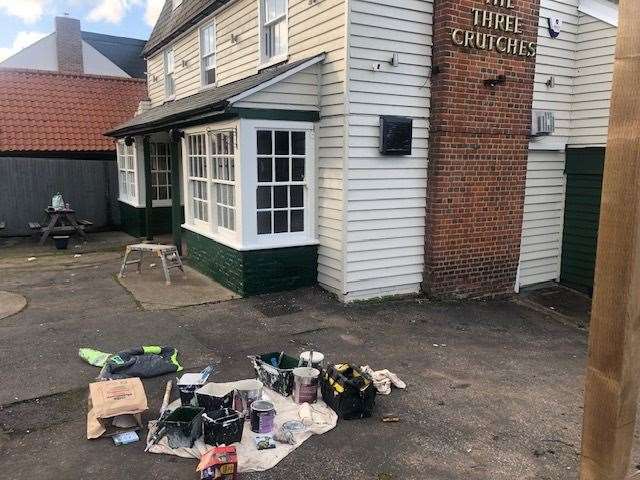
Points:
(543, 123)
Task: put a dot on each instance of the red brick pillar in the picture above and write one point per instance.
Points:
(478, 144)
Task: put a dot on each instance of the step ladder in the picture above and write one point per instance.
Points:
(168, 254)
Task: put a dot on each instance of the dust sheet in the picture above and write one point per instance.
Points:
(250, 459)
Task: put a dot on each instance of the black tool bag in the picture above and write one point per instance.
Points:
(348, 391)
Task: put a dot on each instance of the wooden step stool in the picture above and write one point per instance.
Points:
(168, 255)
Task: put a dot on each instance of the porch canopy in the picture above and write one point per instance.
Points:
(210, 104)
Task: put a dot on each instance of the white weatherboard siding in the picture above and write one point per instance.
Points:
(386, 199)
(556, 58)
(595, 50)
(541, 247)
(313, 28)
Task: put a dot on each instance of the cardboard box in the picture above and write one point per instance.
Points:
(115, 406)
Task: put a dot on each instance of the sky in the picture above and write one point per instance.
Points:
(26, 21)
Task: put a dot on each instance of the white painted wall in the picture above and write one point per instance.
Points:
(42, 55)
(95, 63)
(39, 56)
(386, 195)
(595, 49)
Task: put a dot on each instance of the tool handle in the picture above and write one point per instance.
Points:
(167, 396)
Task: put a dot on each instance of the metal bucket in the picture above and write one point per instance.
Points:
(263, 413)
(305, 384)
(247, 392)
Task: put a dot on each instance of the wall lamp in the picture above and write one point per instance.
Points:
(492, 82)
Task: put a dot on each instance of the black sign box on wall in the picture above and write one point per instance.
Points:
(396, 135)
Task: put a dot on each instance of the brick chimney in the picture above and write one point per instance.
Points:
(69, 45)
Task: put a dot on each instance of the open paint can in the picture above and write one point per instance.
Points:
(263, 414)
(305, 385)
(247, 392)
(312, 359)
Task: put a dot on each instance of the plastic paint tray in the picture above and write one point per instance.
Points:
(185, 422)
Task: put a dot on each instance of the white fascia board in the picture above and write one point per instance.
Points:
(600, 9)
(279, 78)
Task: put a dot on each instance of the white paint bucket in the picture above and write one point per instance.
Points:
(305, 385)
(312, 359)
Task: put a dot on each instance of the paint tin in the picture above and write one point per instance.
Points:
(305, 385)
(312, 359)
(247, 392)
(263, 414)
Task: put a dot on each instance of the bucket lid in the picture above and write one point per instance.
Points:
(306, 372)
(316, 358)
(262, 406)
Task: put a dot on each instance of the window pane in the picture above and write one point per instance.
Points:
(280, 221)
(280, 197)
(264, 170)
(282, 143)
(264, 197)
(264, 143)
(297, 196)
(264, 223)
(297, 169)
(297, 220)
(232, 220)
(297, 143)
(210, 76)
(282, 169)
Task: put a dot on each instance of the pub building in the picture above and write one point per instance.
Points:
(386, 148)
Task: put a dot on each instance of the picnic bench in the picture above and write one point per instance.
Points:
(60, 222)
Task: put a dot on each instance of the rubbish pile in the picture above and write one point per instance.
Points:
(235, 427)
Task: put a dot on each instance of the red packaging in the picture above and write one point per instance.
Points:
(219, 463)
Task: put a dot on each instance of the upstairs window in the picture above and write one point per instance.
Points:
(208, 53)
(176, 3)
(274, 34)
(169, 80)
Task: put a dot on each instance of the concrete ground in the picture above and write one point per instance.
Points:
(494, 388)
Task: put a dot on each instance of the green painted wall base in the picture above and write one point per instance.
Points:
(132, 220)
(253, 272)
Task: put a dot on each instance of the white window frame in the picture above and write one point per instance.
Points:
(265, 60)
(155, 187)
(203, 169)
(230, 238)
(223, 176)
(248, 147)
(203, 71)
(169, 95)
(127, 165)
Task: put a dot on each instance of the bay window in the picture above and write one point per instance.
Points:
(160, 172)
(208, 54)
(250, 183)
(169, 80)
(274, 30)
(127, 171)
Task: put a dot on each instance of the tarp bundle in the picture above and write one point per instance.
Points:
(143, 362)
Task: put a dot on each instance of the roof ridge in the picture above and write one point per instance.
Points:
(114, 36)
(63, 74)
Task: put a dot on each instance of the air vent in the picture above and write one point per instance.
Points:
(543, 123)
(396, 134)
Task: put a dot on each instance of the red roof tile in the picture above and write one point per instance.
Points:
(55, 112)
